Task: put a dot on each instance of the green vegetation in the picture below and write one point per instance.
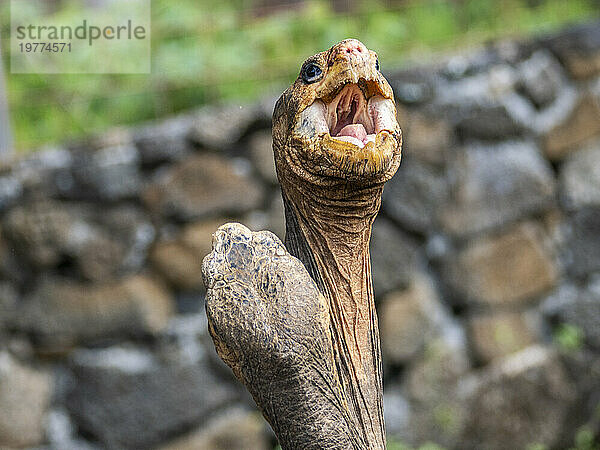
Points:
(396, 445)
(584, 440)
(208, 51)
(537, 447)
(445, 417)
(569, 337)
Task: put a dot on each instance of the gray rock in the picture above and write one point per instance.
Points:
(437, 247)
(273, 219)
(20, 346)
(60, 313)
(189, 302)
(108, 173)
(541, 78)
(25, 398)
(232, 429)
(185, 335)
(410, 319)
(577, 128)
(489, 122)
(502, 51)
(496, 184)
(113, 137)
(393, 257)
(477, 88)
(578, 48)
(276, 216)
(38, 231)
(502, 333)
(61, 432)
(580, 178)
(261, 151)
(219, 127)
(265, 107)
(125, 398)
(179, 260)
(46, 170)
(197, 236)
(583, 241)
(8, 304)
(457, 66)
(542, 121)
(95, 254)
(503, 269)
(438, 412)
(412, 87)
(426, 136)
(419, 332)
(11, 267)
(475, 104)
(164, 141)
(397, 414)
(202, 186)
(109, 243)
(178, 264)
(522, 400)
(98, 244)
(11, 190)
(579, 307)
(133, 229)
(414, 196)
(45, 158)
(583, 367)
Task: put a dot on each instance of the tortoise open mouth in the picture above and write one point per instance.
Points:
(348, 117)
(355, 116)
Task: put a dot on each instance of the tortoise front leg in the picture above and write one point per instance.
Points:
(271, 325)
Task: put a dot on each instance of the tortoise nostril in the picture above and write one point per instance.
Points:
(349, 49)
(353, 49)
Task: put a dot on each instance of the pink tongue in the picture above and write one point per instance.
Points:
(356, 130)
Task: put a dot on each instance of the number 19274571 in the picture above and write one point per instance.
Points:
(41, 47)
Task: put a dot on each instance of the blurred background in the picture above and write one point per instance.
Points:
(486, 255)
(205, 52)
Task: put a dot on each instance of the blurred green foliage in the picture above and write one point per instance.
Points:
(569, 337)
(210, 51)
(536, 446)
(396, 445)
(584, 440)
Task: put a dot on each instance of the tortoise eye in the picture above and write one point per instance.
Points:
(311, 73)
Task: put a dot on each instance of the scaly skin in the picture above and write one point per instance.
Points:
(309, 351)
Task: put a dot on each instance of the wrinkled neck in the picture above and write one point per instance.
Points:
(329, 230)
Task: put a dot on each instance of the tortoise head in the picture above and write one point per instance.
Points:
(337, 121)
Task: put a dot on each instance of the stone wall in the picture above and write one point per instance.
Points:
(486, 262)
